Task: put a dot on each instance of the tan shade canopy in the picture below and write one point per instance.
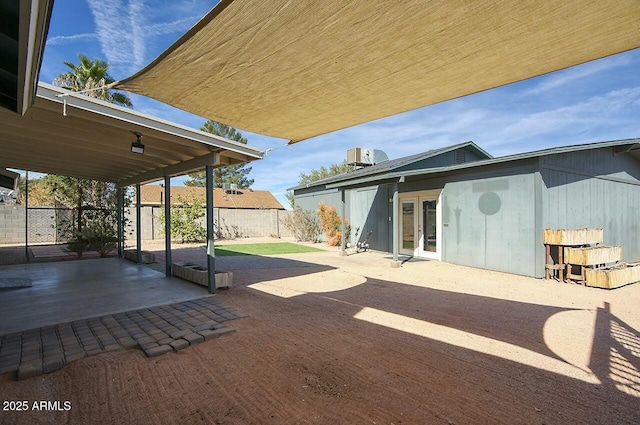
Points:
(94, 139)
(300, 69)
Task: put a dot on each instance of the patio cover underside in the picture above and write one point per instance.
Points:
(300, 69)
(93, 141)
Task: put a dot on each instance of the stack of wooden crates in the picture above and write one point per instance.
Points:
(580, 250)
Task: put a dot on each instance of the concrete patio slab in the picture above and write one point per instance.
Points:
(72, 290)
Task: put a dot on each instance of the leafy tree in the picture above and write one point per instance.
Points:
(91, 75)
(185, 220)
(232, 174)
(324, 172)
(318, 174)
(39, 193)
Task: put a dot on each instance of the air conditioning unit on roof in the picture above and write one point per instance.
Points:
(229, 187)
(361, 157)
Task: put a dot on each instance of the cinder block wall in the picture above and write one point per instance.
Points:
(12, 219)
(249, 223)
(42, 224)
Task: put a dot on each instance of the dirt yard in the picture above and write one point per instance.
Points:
(348, 340)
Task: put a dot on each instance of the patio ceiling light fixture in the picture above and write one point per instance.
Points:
(137, 146)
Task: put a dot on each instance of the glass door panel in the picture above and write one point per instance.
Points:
(408, 225)
(429, 226)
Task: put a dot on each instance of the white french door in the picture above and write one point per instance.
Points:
(420, 224)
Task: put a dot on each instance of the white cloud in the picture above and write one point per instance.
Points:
(137, 18)
(180, 25)
(62, 39)
(580, 117)
(127, 34)
(571, 75)
(113, 26)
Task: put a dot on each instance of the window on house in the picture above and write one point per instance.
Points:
(461, 156)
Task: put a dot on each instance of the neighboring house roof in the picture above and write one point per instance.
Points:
(629, 146)
(395, 164)
(239, 199)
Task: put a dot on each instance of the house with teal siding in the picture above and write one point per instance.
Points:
(460, 205)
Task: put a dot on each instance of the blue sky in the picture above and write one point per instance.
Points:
(596, 101)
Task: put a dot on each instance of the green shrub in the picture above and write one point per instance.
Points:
(185, 218)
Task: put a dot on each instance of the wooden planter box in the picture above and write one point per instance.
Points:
(568, 237)
(613, 277)
(593, 255)
(147, 257)
(198, 274)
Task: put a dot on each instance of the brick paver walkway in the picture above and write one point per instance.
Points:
(157, 330)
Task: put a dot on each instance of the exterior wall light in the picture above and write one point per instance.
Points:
(137, 146)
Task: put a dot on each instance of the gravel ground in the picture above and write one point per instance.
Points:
(333, 340)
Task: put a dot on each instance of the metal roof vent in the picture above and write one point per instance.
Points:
(361, 157)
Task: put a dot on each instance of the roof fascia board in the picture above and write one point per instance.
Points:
(388, 178)
(516, 157)
(627, 149)
(181, 168)
(472, 145)
(54, 94)
(381, 172)
(33, 28)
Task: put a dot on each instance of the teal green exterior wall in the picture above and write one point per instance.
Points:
(598, 188)
(493, 216)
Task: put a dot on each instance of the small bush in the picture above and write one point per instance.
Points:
(223, 231)
(304, 225)
(99, 232)
(184, 220)
(331, 224)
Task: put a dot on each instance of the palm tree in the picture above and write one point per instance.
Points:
(91, 77)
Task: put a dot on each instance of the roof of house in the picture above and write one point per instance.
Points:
(239, 199)
(632, 148)
(394, 164)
